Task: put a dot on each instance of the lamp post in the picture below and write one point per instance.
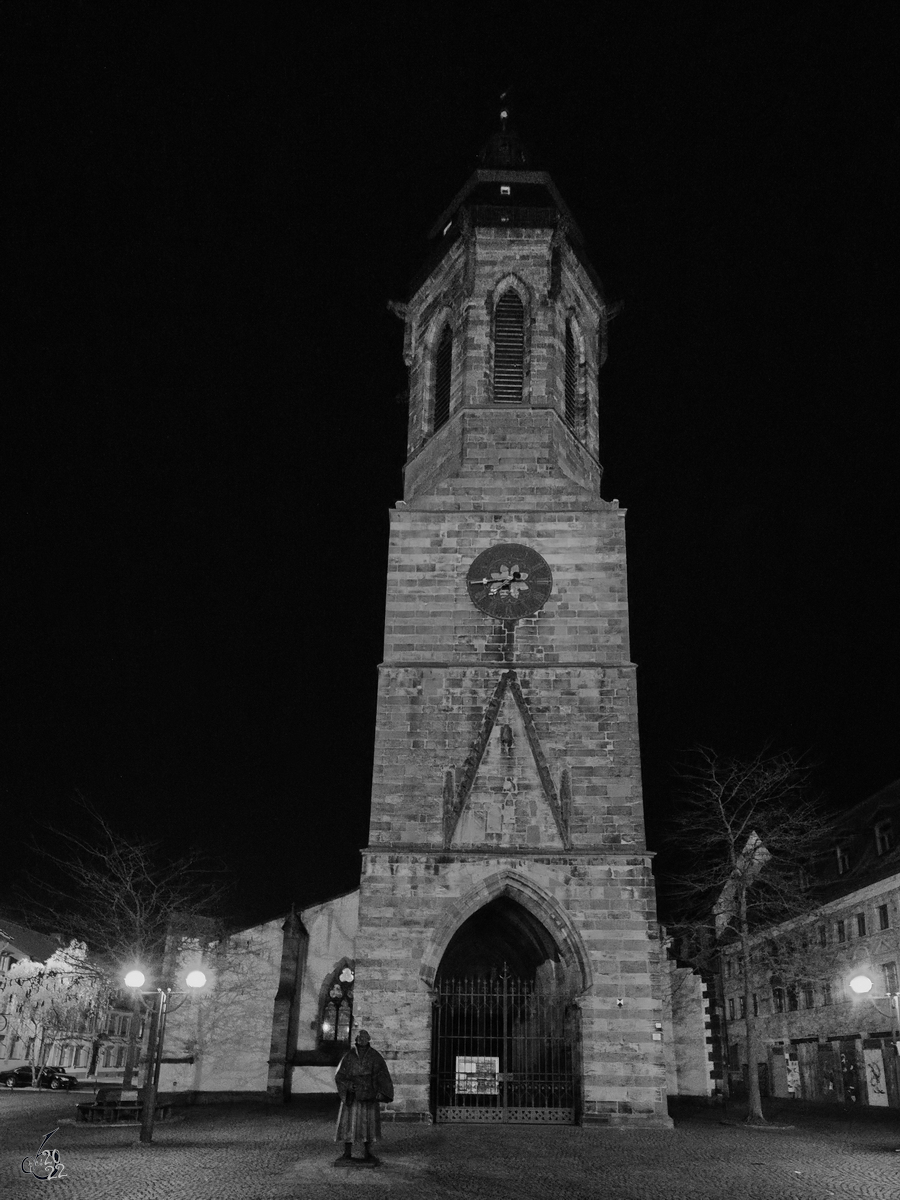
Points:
(136, 979)
(862, 985)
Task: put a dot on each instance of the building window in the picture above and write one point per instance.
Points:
(884, 919)
(509, 349)
(730, 1008)
(843, 860)
(823, 935)
(571, 379)
(808, 997)
(826, 993)
(891, 982)
(778, 999)
(729, 968)
(742, 1007)
(841, 931)
(443, 364)
(337, 1011)
(861, 924)
(755, 1003)
(793, 1002)
(884, 836)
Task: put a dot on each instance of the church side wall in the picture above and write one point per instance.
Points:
(228, 1030)
(332, 928)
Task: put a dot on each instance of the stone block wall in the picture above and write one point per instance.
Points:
(600, 910)
(463, 290)
(570, 659)
(551, 817)
(686, 1031)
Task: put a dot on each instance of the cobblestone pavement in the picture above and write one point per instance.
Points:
(253, 1152)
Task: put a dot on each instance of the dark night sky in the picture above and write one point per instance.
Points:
(203, 435)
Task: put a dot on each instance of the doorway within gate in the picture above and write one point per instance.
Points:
(503, 1050)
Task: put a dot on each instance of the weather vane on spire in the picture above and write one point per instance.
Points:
(504, 110)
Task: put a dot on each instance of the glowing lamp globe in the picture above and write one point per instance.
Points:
(861, 984)
(134, 979)
(195, 979)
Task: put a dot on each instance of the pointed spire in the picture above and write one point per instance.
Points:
(504, 149)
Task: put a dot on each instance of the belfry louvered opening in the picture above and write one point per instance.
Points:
(509, 349)
(571, 380)
(443, 364)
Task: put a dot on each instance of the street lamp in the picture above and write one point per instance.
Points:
(862, 986)
(135, 979)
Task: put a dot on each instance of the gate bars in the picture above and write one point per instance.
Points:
(502, 1050)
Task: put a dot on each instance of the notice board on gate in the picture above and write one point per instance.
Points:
(477, 1076)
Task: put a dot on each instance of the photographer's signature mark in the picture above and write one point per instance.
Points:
(46, 1164)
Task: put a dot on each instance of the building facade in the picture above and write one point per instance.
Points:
(821, 1039)
(506, 837)
(52, 1013)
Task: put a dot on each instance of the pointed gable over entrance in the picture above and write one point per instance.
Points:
(505, 796)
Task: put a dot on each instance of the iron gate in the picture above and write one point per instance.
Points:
(502, 1051)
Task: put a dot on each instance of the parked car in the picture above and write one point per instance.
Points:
(51, 1077)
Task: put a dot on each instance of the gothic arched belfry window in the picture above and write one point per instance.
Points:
(571, 379)
(443, 364)
(509, 348)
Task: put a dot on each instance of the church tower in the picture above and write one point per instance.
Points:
(507, 951)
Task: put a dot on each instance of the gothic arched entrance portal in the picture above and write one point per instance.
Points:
(504, 1025)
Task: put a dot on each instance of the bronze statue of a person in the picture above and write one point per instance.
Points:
(363, 1083)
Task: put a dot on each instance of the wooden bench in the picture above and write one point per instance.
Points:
(109, 1107)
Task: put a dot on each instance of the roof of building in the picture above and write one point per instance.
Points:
(869, 857)
(20, 942)
(505, 190)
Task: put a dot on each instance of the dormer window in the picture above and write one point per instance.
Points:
(509, 349)
(843, 860)
(884, 836)
(443, 364)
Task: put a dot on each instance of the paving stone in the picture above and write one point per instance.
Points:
(255, 1152)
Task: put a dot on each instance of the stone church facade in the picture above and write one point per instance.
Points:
(506, 838)
(506, 804)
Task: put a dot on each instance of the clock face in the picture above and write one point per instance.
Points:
(509, 582)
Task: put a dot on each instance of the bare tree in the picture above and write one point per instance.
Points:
(130, 903)
(749, 834)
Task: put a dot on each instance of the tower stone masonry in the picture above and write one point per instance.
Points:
(506, 816)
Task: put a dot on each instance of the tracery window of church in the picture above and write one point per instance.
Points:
(509, 348)
(337, 1011)
(443, 363)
